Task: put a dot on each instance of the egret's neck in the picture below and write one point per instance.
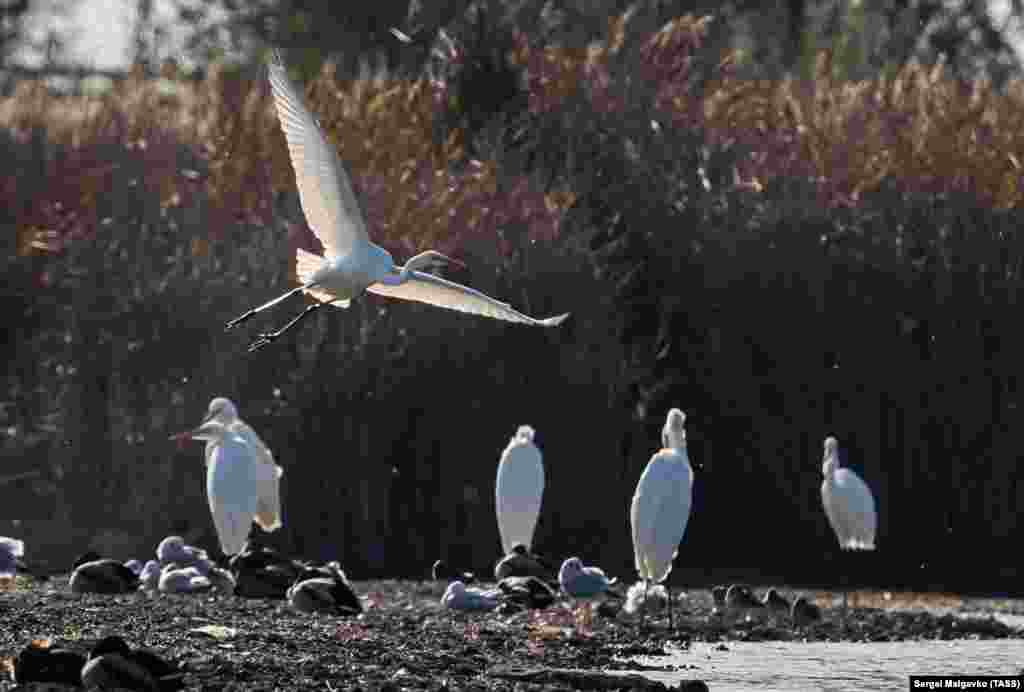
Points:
(674, 439)
(830, 465)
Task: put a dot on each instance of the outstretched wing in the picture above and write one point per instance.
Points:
(433, 290)
(324, 188)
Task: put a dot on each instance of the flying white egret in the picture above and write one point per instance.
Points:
(351, 263)
(849, 505)
(518, 490)
(241, 485)
(661, 505)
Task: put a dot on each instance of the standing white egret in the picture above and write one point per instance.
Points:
(518, 490)
(351, 263)
(661, 505)
(241, 485)
(224, 412)
(849, 505)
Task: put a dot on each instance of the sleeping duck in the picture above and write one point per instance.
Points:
(263, 573)
(442, 571)
(526, 592)
(522, 563)
(40, 661)
(177, 579)
(112, 664)
(313, 592)
(93, 574)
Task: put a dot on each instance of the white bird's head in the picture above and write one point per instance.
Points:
(223, 409)
(673, 435)
(220, 414)
(525, 433)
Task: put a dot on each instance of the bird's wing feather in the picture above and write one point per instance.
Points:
(433, 290)
(326, 194)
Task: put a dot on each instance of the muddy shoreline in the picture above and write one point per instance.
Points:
(406, 640)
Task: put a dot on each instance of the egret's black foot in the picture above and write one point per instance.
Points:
(238, 320)
(264, 340)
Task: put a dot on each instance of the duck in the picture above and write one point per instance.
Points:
(776, 602)
(93, 574)
(804, 612)
(520, 562)
(579, 581)
(262, 572)
(312, 593)
(718, 598)
(221, 579)
(40, 661)
(149, 577)
(460, 597)
(441, 571)
(527, 592)
(174, 549)
(112, 664)
(739, 599)
(177, 579)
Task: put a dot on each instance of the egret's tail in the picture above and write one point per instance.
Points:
(268, 506)
(306, 265)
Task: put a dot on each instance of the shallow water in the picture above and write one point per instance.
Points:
(842, 666)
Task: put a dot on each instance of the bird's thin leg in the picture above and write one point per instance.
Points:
(643, 617)
(668, 590)
(270, 337)
(251, 313)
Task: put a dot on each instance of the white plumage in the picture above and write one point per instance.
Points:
(352, 263)
(241, 477)
(848, 502)
(661, 503)
(518, 490)
(460, 597)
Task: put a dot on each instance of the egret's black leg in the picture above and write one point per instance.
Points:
(270, 337)
(643, 616)
(247, 315)
(668, 591)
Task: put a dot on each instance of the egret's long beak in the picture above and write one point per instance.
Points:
(195, 433)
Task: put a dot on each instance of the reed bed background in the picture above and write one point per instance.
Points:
(781, 259)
